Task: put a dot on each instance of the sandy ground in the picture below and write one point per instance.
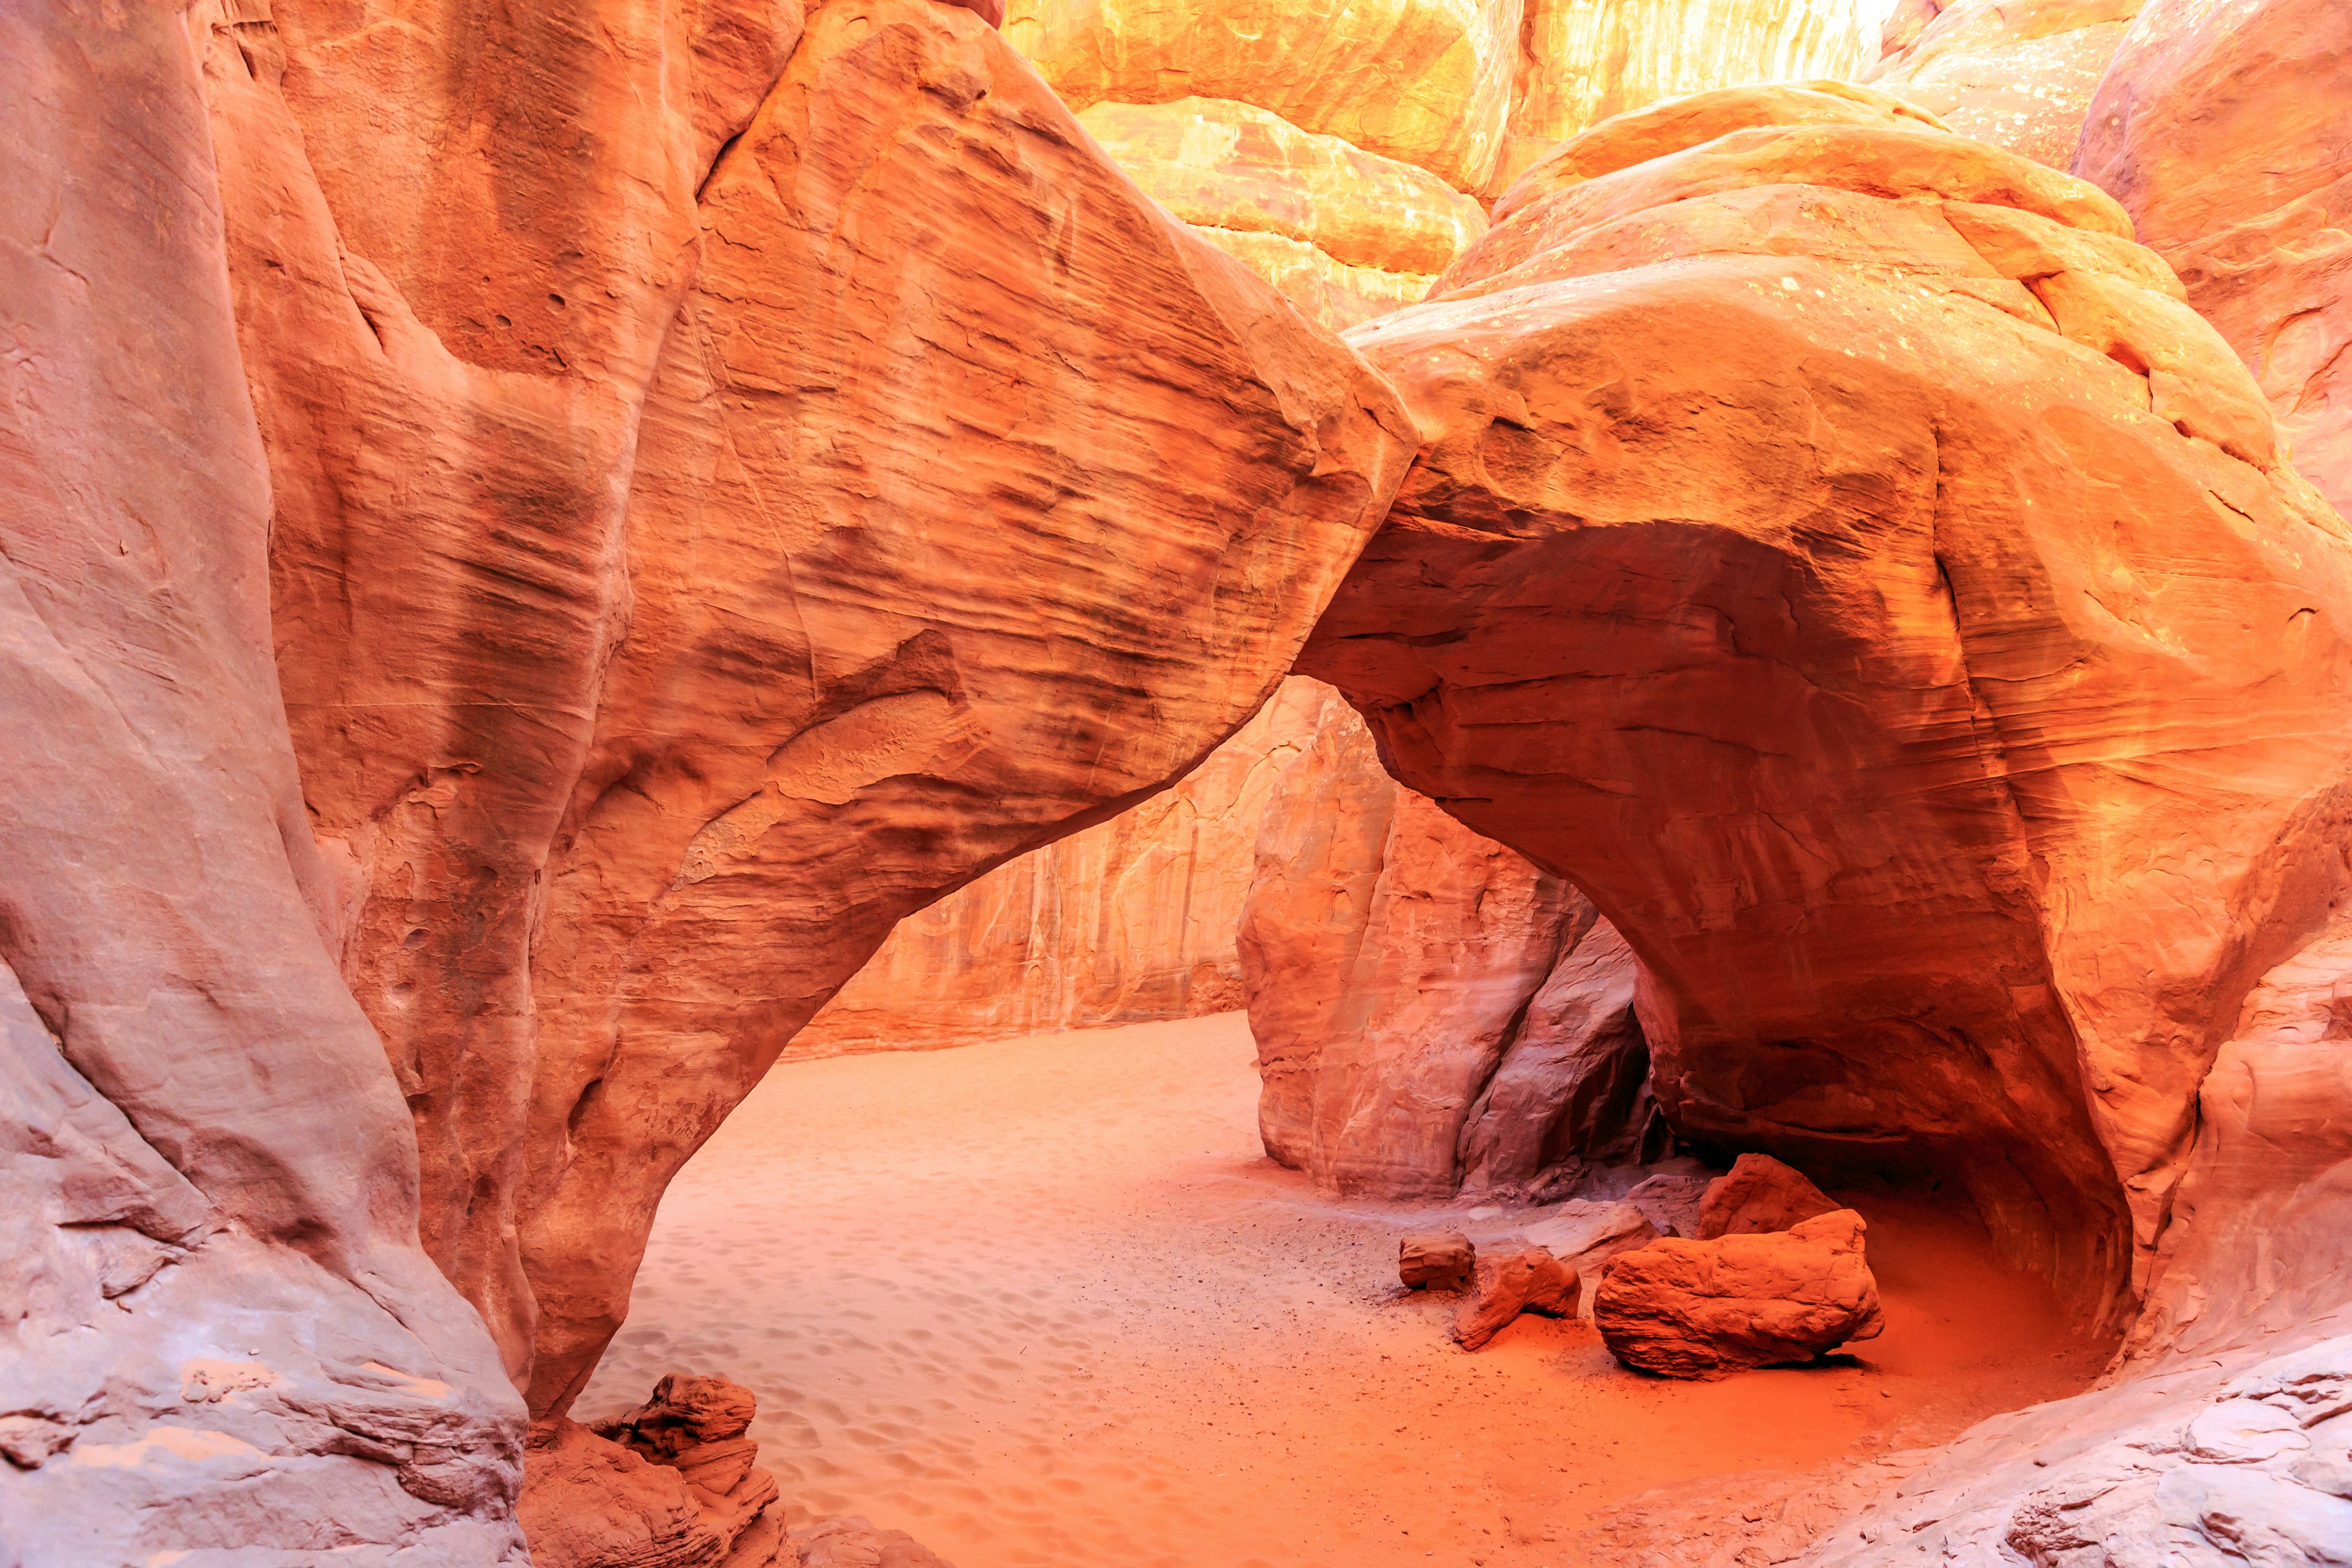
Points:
(1046, 1302)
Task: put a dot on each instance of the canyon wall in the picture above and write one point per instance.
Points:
(1431, 1012)
(2225, 129)
(218, 1332)
(2000, 652)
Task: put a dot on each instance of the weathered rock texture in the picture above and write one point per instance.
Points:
(2225, 129)
(674, 1483)
(1349, 188)
(1759, 1194)
(219, 1340)
(1427, 1005)
(2217, 1462)
(688, 562)
(2017, 73)
(1131, 919)
(1838, 550)
(1508, 1283)
(1693, 1309)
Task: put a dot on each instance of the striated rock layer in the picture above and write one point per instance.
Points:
(219, 1340)
(686, 562)
(1429, 1007)
(1132, 920)
(2224, 127)
(1837, 548)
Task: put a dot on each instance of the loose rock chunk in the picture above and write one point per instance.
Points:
(1508, 1283)
(1697, 1309)
(1759, 1194)
(1439, 1260)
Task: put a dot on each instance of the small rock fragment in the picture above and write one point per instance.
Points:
(1759, 1194)
(1435, 1261)
(1694, 1309)
(1508, 1283)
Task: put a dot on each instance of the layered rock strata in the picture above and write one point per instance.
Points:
(2225, 130)
(2017, 73)
(1838, 549)
(1348, 187)
(219, 1339)
(1428, 1006)
(699, 545)
(1131, 919)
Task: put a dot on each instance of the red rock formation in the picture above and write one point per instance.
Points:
(1759, 1194)
(688, 565)
(1508, 1283)
(1838, 550)
(1694, 1309)
(1425, 1001)
(1441, 1260)
(1131, 919)
(218, 1335)
(2017, 73)
(2226, 131)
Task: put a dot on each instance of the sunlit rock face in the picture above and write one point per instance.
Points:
(2017, 73)
(1838, 550)
(686, 563)
(1130, 921)
(2225, 129)
(1349, 187)
(1430, 1010)
(216, 1327)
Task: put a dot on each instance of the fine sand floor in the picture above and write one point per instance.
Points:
(1046, 1302)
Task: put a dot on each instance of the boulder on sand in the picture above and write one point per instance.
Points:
(1435, 1261)
(1759, 1194)
(1697, 1309)
(1508, 1283)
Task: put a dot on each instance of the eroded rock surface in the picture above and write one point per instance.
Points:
(1425, 1002)
(2226, 131)
(677, 584)
(1508, 1283)
(2017, 73)
(1694, 1309)
(219, 1339)
(1975, 531)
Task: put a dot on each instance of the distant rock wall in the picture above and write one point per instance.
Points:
(1129, 921)
(1256, 121)
(1432, 1011)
